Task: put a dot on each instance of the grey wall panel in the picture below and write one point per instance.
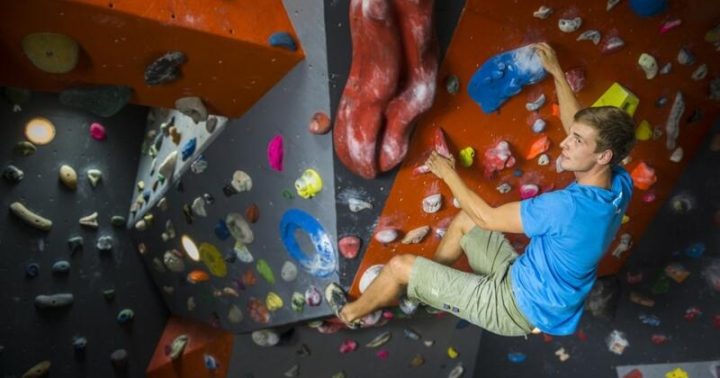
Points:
(29, 335)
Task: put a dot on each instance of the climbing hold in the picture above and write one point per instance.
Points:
(265, 337)
(40, 369)
(198, 207)
(677, 272)
(590, 35)
(319, 124)
(685, 57)
(617, 342)
(672, 125)
(32, 270)
(416, 235)
(695, 250)
(382, 354)
(369, 276)
(700, 72)
(569, 25)
(643, 176)
(411, 334)
(529, 191)
(125, 316)
(649, 65)
(313, 296)
(576, 78)
(119, 359)
(539, 125)
(535, 104)
(197, 275)
(192, 107)
(89, 220)
(294, 371)
(516, 357)
(452, 353)
(25, 148)
(670, 25)
(51, 52)
(68, 176)
(212, 258)
(643, 131)
(79, 344)
(503, 76)
(239, 228)
(386, 236)
(242, 253)
(169, 232)
(349, 246)
(273, 302)
(75, 244)
(289, 271)
(61, 267)
(356, 205)
(309, 184)
(543, 160)
(324, 261)
(175, 135)
(173, 261)
(265, 271)
(379, 340)
(432, 203)
(504, 188)
(235, 315)
(623, 245)
(297, 302)
(642, 300)
(30, 217)
(408, 305)
(165, 69)
(13, 174)
(466, 156)
(677, 155)
(612, 44)
(94, 176)
(177, 347)
(539, 146)
(97, 131)
(648, 8)
(241, 182)
(54, 300)
(104, 243)
(282, 39)
(199, 165)
(348, 346)
(692, 313)
(498, 158)
(101, 100)
(275, 153)
(452, 84)
(457, 371)
(188, 149)
(543, 12)
(562, 355)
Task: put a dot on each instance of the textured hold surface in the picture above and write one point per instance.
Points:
(165, 69)
(192, 107)
(41, 369)
(104, 101)
(319, 124)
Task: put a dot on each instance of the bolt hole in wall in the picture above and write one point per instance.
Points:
(111, 5)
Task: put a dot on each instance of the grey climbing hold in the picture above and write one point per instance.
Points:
(685, 57)
(90, 220)
(209, 199)
(457, 371)
(211, 124)
(75, 244)
(239, 228)
(416, 235)
(235, 315)
(177, 347)
(173, 261)
(30, 217)
(198, 207)
(569, 25)
(289, 271)
(165, 69)
(125, 316)
(79, 344)
(294, 371)
(39, 370)
(118, 221)
(452, 84)
(162, 204)
(94, 176)
(411, 334)
(32, 270)
(167, 167)
(104, 243)
(25, 148)
(590, 35)
(282, 39)
(109, 294)
(192, 107)
(119, 359)
(379, 340)
(199, 165)
(265, 337)
(536, 104)
(102, 100)
(539, 125)
(13, 174)
(61, 267)
(54, 300)
(169, 232)
(700, 72)
(68, 176)
(356, 205)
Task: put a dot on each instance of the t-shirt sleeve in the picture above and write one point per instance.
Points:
(545, 213)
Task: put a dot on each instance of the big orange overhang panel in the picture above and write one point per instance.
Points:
(487, 28)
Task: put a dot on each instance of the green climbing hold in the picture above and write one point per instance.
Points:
(661, 285)
(297, 302)
(287, 194)
(117, 221)
(264, 269)
(25, 148)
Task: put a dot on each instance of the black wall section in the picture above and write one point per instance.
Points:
(29, 335)
(339, 47)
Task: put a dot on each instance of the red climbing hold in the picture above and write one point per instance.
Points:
(643, 176)
(319, 124)
(539, 146)
(349, 246)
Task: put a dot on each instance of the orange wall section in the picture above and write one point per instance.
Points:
(230, 64)
(488, 28)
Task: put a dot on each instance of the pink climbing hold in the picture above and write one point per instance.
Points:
(383, 354)
(349, 246)
(498, 158)
(348, 346)
(97, 131)
(275, 153)
(576, 78)
(529, 191)
(670, 25)
(648, 196)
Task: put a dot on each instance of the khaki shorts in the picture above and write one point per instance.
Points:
(485, 298)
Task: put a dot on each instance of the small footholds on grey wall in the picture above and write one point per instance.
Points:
(89, 220)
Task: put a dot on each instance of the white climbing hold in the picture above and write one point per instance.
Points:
(677, 155)
(536, 104)
(198, 207)
(198, 166)
(68, 176)
(504, 188)
(649, 65)
(416, 235)
(30, 217)
(432, 203)
(192, 107)
(543, 160)
(90, 220)
(167, 167)
(543, 12)
(623, 245)
(369, 276)
(242, 252)
(356, 205)
(289, 271)
(700, 72)
(94, 176)
(569, 25)
(241, 182)
(590, 35)
(104, 243)
(386, 236)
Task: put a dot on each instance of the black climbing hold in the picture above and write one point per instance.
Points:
(32, 270)
(117, 221)
(229, 190)
(13, 174)
(165, 69)
(187, 212)
(209, 199)
(109, 294)
(104, 100)
(76, 244)
(119, 359)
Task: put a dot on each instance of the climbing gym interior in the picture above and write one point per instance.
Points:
(194, 188)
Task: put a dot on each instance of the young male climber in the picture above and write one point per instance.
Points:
(569, 229)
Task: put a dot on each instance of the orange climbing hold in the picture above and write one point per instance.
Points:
(643, 176)
(539, 146)
(197, 276)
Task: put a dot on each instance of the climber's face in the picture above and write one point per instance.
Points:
(578, 149)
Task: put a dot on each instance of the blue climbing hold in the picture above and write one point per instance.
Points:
(648, 8)
(695, 250)
(32, 270)
(210, 362)
(146, 195)
(517, 172)
(516, 357)
(61, 267)
(282, 39)
(324, 261)
(504, 76)
(125, 316)
(188, 148)
(221, 230)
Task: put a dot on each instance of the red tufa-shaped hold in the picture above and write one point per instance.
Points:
(643, 176)
(348, 346)
(349, 246)
(252, 213)
(498, 158)
(319, 124)
(97, 131)
(539, 146)
(275, 152)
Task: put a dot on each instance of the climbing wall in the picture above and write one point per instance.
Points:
(114, 42)
(265, 251)
(487, 29)
(96, 262)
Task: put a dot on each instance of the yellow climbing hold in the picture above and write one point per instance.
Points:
(619, 97)
(677, 373)
(643, 131)
(212, 258)
(452, 353)
(625, 219)
(273, 301)
(309, 184)
(467, 155)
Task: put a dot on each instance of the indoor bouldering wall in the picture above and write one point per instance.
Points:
(681, 35)
(260, 211)
(116, 308)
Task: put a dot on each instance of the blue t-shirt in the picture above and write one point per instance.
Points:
(569, 230)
